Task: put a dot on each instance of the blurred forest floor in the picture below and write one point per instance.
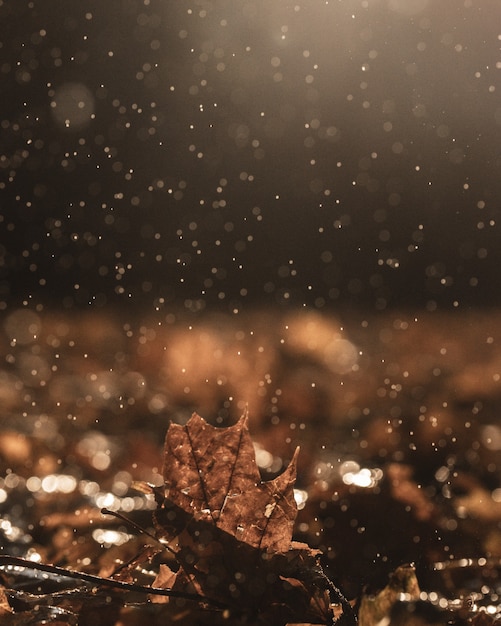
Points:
(397, 416)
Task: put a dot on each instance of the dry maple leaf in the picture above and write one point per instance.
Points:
(211, 473)
(231, 532)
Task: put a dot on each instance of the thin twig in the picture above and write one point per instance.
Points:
(139, 528)
(13, 561)
(348, 612)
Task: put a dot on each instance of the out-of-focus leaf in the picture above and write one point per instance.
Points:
(164, 580)
(5, 608)
(484, 619)
(403, 584)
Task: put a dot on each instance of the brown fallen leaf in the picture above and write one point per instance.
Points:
(5, 608)
(232, 533)
(402, 584)
(211, 473)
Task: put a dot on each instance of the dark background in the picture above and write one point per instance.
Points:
(234, 153)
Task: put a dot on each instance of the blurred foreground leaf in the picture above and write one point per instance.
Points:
(403, 585)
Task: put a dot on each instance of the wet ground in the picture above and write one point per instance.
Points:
(397, 417)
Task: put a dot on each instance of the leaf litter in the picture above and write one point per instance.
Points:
(221, 551)
(223, 542)
(421, 487)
